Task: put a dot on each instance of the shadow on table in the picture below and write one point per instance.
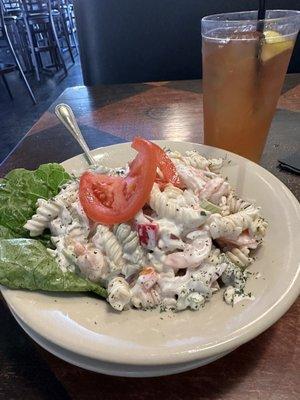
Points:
(218, 380)
(28, 155)
(32, 373)
(23, 373)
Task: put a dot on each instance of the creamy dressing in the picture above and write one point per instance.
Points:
(175, 265)
(233, 296)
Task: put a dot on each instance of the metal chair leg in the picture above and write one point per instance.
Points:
(66, 36)
(74, 40)
(7, 87)
(32, 50)
(19, 66)
(58, 45)
(71, 26)
(24, 46)
(21, 48)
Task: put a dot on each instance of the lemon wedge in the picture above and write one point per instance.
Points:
(274, 44)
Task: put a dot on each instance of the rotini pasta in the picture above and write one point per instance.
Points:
(46, 211)
(167, 207)
(233, 204)
(231, 226)
(119, 293)
(107, 242)
(240, 257)
(133, 253)
(196, 160)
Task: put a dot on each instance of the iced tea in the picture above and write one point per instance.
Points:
(243, 73)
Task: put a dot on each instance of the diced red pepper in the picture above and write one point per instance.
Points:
(148, 235)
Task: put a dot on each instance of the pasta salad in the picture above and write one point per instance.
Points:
(167, 230)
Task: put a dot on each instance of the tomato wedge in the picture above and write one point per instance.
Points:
(168, 170)
(113, 199)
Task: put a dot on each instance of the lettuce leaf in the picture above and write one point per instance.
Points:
(6, 233)
(26, 264)
(19, 191)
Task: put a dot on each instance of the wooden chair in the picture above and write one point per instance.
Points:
(7, 68)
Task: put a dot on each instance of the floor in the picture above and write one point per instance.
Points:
(18, 116)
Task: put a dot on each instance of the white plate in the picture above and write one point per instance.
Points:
(87, 332)
(112, 368)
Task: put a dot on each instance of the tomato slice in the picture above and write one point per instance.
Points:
(168, 169)
(113, 199)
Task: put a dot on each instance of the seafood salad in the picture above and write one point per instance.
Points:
(166, 231)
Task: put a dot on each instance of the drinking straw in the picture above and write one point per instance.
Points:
(261, 15)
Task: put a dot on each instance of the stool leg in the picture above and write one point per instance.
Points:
(32, 50)
(21, 48)
(58, 45)
(7, 87)
(54, 52)
(24, 44)
(66, 35)
(19, 66)
(71, 27)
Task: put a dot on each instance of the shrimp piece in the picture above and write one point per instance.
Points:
(205, 184)
(243, 240)
(214, 190)
(91, 262)
(144, 292)
(79, 249)
(148, 277)
(192, 255)
(193, 178)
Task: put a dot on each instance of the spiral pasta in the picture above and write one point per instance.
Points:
(196, 160)
(107, 242)
(259, 227)
(231, 226)
(166, 207)
(46, 211)
(119, 293)
(215, 164)
(240, 257)
(133, 253)
(233, 204)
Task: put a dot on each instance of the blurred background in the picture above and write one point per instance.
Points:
(49, 45)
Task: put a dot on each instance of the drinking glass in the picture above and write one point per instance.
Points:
(244, 65)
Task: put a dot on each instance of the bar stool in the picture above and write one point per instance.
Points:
(62, 26)
(67, 13)
(21, 37)
(7, 68)
(43, 21)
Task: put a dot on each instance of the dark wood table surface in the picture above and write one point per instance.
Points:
(267, 367)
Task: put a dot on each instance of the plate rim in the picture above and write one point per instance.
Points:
(246, 333)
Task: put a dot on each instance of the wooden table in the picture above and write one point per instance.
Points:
(265, 368)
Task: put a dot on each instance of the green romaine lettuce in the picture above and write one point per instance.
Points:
(26, 264)
(20, 189)
(6, 233)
